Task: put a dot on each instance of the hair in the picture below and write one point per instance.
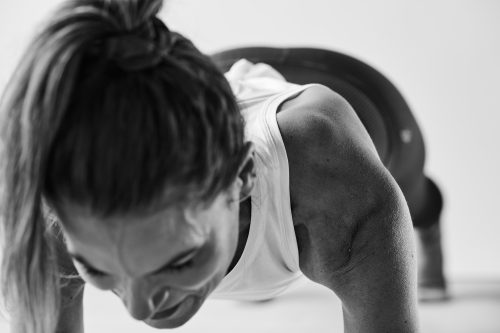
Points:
(110, 110)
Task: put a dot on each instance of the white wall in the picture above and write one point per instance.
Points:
(441, 54)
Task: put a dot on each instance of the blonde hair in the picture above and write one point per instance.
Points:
(94, 69)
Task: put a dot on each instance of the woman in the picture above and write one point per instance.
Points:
(130, 165)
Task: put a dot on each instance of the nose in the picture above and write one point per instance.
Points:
(142, 304)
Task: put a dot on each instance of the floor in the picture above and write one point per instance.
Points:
(473, 308)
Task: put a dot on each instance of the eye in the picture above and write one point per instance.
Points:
(181, 266)
(91, 271)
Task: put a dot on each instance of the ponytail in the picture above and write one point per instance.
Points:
(32, 108)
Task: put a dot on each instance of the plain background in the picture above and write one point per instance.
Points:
(442, 55)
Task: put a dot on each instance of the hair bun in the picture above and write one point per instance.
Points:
(143, 47)
(132, 13)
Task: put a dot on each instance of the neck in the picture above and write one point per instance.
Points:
(244, 228)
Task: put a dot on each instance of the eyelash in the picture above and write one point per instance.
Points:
(175, 269)
(92, 272)
(181, 267)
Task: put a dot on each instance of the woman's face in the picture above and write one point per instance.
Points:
(163, 265)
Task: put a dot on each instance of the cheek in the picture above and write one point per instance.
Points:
(223, 227)
(231, 235)
(207, 264)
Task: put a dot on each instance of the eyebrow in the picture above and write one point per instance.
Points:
(178, 257)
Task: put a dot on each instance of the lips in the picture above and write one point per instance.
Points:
(166, 313)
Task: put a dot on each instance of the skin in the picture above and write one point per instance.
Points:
(172, 258)
(340, 188)
(352, 225)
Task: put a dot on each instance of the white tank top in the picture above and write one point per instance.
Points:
(270, 260)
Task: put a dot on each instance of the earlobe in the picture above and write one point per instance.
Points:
(247, 172)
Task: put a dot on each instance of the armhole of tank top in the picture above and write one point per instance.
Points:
(254, 239)
(281, 162)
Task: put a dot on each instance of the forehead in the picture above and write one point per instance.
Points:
(164, 222)
(125, 242)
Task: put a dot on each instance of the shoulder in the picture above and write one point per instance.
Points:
(324, 118)
(326, 145)
(337, 181)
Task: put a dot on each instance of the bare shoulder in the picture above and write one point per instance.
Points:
(341, 193)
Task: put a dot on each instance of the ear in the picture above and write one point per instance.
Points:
(247, 173)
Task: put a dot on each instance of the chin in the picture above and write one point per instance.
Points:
(167, 323)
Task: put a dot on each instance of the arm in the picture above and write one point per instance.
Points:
(71, 293)
(352, 224)
(71, 315)
(71, 311)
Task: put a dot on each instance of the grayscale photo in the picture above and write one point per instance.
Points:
(249, 166)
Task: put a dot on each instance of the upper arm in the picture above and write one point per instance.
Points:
(352, 223)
